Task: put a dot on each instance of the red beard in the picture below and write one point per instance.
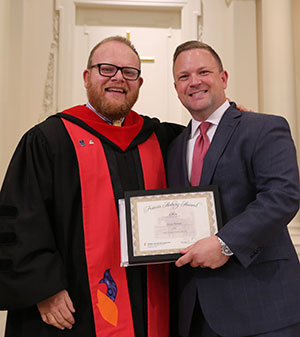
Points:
(111, 110)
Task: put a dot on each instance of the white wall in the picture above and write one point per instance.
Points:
(231, 30)
(4, 5)
(25, 38)
(2, 322)
(296, 39)
(25, 33)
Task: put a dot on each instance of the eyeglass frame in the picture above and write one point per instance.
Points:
(98, 65)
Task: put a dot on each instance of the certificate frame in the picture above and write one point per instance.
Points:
(138, 226)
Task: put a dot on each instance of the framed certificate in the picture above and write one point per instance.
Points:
(156, 224)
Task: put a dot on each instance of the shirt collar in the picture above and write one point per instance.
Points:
(107, 120)
(214, 118)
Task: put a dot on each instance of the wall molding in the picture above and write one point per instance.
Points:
(228, 2)
(50, 88)
(138, 3)
(200, 27)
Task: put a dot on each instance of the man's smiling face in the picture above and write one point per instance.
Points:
(114, 96)
(199, 82)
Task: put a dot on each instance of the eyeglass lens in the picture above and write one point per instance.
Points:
(110, 70)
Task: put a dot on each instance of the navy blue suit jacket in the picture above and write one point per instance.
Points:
(252, 159)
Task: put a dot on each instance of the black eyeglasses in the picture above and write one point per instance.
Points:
(110, 70)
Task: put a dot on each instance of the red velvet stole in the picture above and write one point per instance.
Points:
(122, 137)
(107, 280)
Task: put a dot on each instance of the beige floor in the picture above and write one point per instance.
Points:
(2, 322)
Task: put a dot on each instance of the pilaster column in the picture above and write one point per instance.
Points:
(277, 72)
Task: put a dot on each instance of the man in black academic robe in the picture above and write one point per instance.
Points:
(43, 264)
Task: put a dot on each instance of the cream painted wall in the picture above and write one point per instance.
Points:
(296, 44)
(277, 64)
(25, 38)
(4, 22)
(27, 45)
(9, 34)
(296, 31)
(4, 8)
(25, 32)
(231, 30)
(4, 57)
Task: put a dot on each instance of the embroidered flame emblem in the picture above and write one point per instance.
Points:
(106, 302)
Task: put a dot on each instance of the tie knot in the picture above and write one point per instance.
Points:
(204, 127)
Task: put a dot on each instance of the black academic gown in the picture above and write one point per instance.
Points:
(41, 232)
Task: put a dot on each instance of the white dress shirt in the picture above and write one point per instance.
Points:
(214, 120)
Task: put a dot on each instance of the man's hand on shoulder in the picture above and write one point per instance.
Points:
(239, 106)
(205, 253)
(58, 310)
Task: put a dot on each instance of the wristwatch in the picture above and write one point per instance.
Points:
(224, 248)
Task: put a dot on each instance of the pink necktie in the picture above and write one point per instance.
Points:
(200, 148)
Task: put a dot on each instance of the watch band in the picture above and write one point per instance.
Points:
(224, 248)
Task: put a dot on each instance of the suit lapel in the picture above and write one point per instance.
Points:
(186, 135)
(225, 129)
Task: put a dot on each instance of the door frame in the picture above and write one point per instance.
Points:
(66, 15)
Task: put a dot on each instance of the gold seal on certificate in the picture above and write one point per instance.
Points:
(155, 224)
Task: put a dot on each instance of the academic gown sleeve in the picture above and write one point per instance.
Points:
(31, 268)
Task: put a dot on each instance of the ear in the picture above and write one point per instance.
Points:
(86, 75)
(141, 81)
(224, 78)
(175, 85)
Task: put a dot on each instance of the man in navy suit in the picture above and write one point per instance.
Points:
(245, 280)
